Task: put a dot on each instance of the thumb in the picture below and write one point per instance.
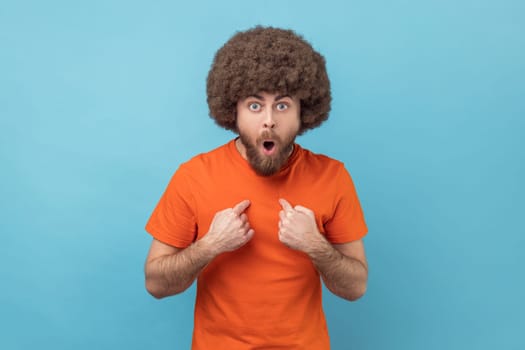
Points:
(241, 207)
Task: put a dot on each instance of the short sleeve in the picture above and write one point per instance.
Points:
(173, 220)
(347, 222)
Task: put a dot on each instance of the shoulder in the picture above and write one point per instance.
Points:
(325, 168)
(320, 161)
(206, 160)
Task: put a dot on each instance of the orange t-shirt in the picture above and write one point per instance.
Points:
(263, 295)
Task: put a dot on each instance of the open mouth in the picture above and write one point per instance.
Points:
(268, 147)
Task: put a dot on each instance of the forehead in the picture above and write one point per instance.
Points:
(270, 96)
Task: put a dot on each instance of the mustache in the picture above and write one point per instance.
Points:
(268, 135)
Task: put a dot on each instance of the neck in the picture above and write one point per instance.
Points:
(240, 147)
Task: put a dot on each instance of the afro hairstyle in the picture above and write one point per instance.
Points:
(272, 60)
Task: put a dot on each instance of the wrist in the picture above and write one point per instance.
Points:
(319, 249)
(207, 247)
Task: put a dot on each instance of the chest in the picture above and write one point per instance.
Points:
(218, 193)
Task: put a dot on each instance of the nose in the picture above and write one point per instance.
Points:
(269, 120)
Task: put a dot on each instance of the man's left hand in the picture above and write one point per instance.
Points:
(297, 227)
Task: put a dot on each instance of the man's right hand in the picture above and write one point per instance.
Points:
(229, 229)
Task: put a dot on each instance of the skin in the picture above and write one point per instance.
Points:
(343, 267)
(267, 117)
(170, 270)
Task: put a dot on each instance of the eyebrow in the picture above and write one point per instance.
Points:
(279, 97)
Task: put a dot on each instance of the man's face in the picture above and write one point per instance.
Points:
(267, 125)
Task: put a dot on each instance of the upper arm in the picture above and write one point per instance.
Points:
(156, 282)
(354, 250)
(158, 249)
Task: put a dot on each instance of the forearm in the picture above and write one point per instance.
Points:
(172, 274)
(344, 276)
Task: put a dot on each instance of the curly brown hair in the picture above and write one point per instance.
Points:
(272, 60)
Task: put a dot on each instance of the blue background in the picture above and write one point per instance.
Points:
(100, 101)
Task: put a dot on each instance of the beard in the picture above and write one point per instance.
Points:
(267, 165)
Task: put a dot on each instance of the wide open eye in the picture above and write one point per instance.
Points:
(254, 107)
(281, 107)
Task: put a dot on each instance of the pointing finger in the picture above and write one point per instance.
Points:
(239, 208)
(284, 203)
(284, 216)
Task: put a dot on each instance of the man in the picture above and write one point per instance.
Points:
(260, 220)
